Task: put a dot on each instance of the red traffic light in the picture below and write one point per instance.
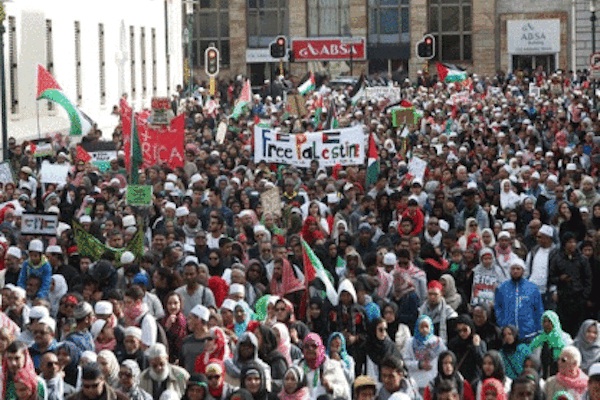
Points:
(428, 40)
(212, 54)
(281, 42)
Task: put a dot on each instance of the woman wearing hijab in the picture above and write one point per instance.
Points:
(216, 347)
(283, 280)
(532, 375)
(218, 388)
(319, 369)
(336, 350)
(570, 377)
(129, 381)
(468, 348)
(241, 317)
(397, 331)
(245, 352)
(109, 366)
(421, 352)
(26, 385)
(509, 200)
(492, 368)
(317, 316)
(69, 354)
(513, 353)
(551, 341)
(294, 385)
(252, 378)
(405, 297)
(447, 372)
(284, 312)
(268, 351)
(58, 288)
(492, 388)
(312, 231)
(378, 346)
(472, 230)
(453, 298)
(588, 343)
(289, 351)
(197, 388)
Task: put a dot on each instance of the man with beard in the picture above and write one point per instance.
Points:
(193, 292)
(518, 302)
(438, 310)
(161, 375)
(94, 387)
(132, 347)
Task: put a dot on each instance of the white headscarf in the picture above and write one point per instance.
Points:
(60, 289)
(508, 200)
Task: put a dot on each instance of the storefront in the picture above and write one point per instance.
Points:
(533, 43)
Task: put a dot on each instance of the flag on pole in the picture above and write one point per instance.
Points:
(358, 91)
(313, 268)
(49, 89)
(372, 162)
(332, 121)
(450, 73)
(308, 85)
(242, 101)
(136, 152)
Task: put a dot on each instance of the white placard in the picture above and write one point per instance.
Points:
(383, 92)
(533, 36)
(54, 173)
(39, 224)
(6, 175)
(416, 167)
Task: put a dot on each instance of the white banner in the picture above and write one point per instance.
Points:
(383, 92)
(39, 224)
(338, 146)
(54, 173)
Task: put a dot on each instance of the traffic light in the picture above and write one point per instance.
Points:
(426, 47)
(211, 61)
(278, 47)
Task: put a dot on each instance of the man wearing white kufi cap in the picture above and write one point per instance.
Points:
(161, 375)
(12, 266)
(538, 259)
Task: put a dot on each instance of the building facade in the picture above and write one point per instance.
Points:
(484, 36)
(96, 51)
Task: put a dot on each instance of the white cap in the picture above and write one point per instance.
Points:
(171, 178)
(85, 219)
(182, 212)
(191, 260)
(53, 210)
(389, 259)
(54, 249)
(471, 185)
(14, 251)
(133, 331)
(228, 304)
(445, 226)
(128, 220)
(97, 327)
(508, 225)
(571, 167)
(260, 228)
(546, 230)
(504, 234)
(170, 205)
(169, 187)
(594, 370)
(535, 175)
(333, 198)
(36, 245)
(103, 308)
(19, 292)
(584, 210)
(552, 178)
(49, 322)
(348, 186)
(517, 262)
(127, 257)
(237, 288)
(38, 312)
(195, 178)
(201, 312)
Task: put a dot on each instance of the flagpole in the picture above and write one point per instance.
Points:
(37, 112)
(131, 144)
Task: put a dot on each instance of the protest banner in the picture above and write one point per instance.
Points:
(39, 224)
(340, 146)
(90, 246)
(6, 173)
(416, 167)
(160, 145)
(139, 195)
(101, 152)
(404, 116)
(271, 202)
(390, 93)
(463, 97)
(54, 173)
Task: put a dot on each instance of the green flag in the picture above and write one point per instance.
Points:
(136, 152)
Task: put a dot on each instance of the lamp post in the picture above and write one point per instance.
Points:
(3, 84)
(593, 21)
(350, 41)
(188, 36)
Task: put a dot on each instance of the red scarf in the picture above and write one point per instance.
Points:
(133, 313)
(505, 253)
(577, 383)
(110, 345)
(439, 265)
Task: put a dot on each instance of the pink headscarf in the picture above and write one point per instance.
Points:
(25, 372)
(284, 344)
(316, 339)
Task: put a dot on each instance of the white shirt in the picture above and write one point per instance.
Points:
(539, 268)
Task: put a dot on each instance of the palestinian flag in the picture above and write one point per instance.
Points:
(242, 101)
(450, 73)
(48, 89)
(135, 154)
(313, 268)
(308, 85)
(358, 91)
(372, 162)
(332, 121)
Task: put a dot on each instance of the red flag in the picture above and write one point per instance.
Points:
(405, 103)
(82, 155)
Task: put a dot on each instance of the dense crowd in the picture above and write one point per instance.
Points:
(476, 279)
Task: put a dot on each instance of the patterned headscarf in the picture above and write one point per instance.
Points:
(284, 344)
(315, 339)
(343, 352)
(493, 384)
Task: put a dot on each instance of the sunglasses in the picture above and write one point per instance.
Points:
(91, 385)
(213, 377)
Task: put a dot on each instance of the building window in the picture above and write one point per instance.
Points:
(102, 64)
(143, 58)
(154, 75)
(266, 20)
(211, 27)
(450, 21)
(389, 21)
(132, 59)
(78, 84)
(328, 17)
(12, 65)
(49, 56)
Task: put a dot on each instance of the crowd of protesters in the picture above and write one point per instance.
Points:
(479, 279)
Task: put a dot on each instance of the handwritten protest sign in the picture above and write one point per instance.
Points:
(416, 167)
(39, 224)
(271, 202)
(54, 173)
(139, 195)
(6, 173)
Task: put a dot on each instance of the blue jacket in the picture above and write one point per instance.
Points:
(44, 271)
(519, 304)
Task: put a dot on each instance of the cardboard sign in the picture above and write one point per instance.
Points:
(6, 173)
(39, 224)
(403, 116)
(139, 195)
(271, 201)
(221, 132)
(54, 173)
(296, 105)
(416, 167)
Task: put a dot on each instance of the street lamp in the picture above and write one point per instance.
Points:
(188, 34)
(3, 84)
(348, 32)
(593, 21)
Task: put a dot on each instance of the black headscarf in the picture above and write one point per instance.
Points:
(511, 348)
(499, 370)
(455, 379)
(249, 369)
(377, 349)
